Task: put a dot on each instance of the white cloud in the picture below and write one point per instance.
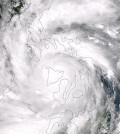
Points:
(84, 12)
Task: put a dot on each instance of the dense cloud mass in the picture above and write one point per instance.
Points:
(59, 67)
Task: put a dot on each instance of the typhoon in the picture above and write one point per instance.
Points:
(59, 67)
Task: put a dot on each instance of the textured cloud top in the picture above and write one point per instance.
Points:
(59, 67)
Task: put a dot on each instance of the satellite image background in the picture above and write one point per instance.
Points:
(59, 67)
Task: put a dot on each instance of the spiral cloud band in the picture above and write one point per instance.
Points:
(59, 67)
